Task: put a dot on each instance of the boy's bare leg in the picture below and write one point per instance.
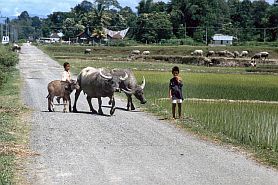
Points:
(179, 109)
(174, 110)
(58, 99)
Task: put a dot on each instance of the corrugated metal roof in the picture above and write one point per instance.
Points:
(222, 37)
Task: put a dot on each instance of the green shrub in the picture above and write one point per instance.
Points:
(8, 60)
(7, 57)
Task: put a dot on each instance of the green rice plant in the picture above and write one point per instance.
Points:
(255, 124)
(218, 86)
(252, 124)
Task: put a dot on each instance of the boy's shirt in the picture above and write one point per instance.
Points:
(176, 89)
(66, 76)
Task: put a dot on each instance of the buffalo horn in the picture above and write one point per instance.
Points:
(125, 77)
(127, 91)
(144, 83)
(104, 76)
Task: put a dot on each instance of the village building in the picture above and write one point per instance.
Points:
(56, 37)
(222, 40)
(84, 37)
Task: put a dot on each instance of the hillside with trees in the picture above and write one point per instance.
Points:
(158, 21)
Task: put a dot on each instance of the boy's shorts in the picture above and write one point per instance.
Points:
(177, 101)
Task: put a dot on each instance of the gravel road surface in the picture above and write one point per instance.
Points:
(127, 148)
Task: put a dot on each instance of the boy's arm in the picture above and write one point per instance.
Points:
(170, 92)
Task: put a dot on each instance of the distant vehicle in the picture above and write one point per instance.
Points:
(5, 40)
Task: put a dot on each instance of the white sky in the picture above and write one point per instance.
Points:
(46, 7)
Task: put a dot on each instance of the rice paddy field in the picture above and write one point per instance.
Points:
(231, 103)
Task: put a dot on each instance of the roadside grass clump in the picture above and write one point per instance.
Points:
(12, 133)
(7, 61)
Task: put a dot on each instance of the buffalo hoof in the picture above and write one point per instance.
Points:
(100, 112)
(50, 110)
(74, 109)
(132, 108)
(94, 111)
(112, 111)
(110, 102)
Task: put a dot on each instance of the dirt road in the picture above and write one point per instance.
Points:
(127, 148)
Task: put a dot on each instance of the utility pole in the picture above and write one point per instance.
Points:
(264, 33)
(206, 35)
(2, 34)
(184, 30)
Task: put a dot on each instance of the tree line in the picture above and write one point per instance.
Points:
(157, 21)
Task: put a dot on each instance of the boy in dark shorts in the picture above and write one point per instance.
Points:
(175, 91)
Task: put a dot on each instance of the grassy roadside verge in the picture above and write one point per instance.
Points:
(13, 133)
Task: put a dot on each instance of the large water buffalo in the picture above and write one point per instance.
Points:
(97, 83)
(130, 87)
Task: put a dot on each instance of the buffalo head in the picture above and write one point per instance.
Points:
(70, 86)
(113, 81)
(138, 92)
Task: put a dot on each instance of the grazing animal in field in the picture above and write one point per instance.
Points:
(98, 83)
(221, 53)
(16, 48)
(130, 87)
(87, 51)
(264, 54)
(256, 56)
(230, 54)
(208, 62)
(244, 54)
(61, 89)
(210, 53)
(146, 52)
(236, 54)
(198, 52)
(135, 52)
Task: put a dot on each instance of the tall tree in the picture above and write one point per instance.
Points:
(272, 17)
(153, 27)
(145, 6)
(108, 3)
(83, 7)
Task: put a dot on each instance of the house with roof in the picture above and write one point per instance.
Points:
(84, 37)
(222, 40)
(56, 37)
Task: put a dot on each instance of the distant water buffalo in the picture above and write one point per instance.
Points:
(197, 52)
(87, 51)
(260, 55)
(16, 48)
(130, 87)
(264, 54)
(98, 83)
(210, 53)
(244, 54)
(236, 54)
